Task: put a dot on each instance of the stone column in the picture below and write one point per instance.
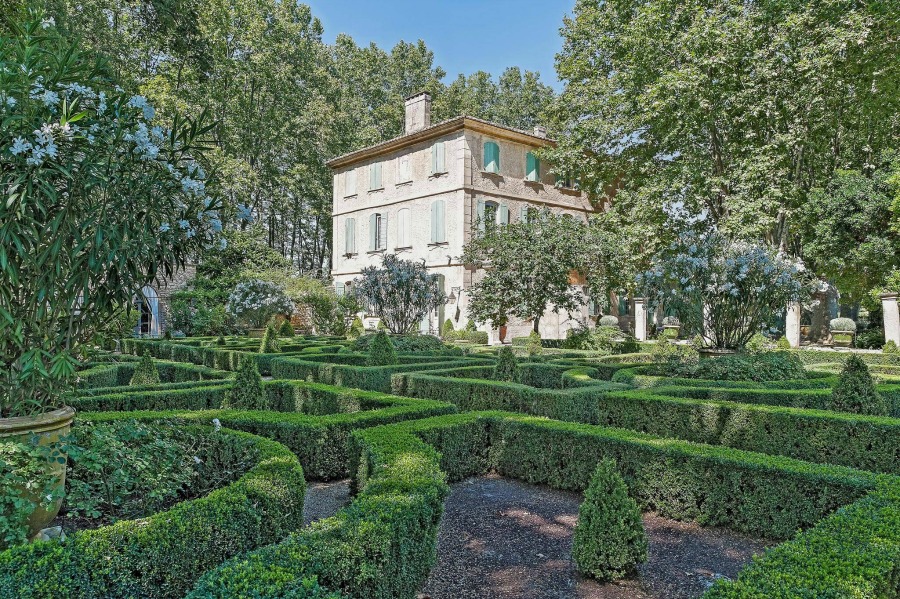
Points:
(640, 318)
(792, 324)
(891, 317)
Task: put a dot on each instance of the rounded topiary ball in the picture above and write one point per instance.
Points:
(609, 539)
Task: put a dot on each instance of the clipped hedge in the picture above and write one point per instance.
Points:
(809, 357)
(161, 556)
(119, 374)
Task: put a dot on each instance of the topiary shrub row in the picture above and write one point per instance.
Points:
(404, 344)
(161, 556)
(110, 375)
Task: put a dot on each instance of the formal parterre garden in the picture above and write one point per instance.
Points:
(208, 498)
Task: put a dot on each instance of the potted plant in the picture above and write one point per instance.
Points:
(671, 327)
(842, 331)
(80, 159)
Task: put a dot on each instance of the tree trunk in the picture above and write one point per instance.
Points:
(537, 323)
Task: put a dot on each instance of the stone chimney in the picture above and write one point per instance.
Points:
(540, 131)
(418, 112)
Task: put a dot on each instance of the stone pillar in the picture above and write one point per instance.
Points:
(640, 318)
(792, 324)
(891, 317)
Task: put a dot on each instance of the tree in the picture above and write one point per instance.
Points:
(735, 110)
(609, 538)
(246, 392)
(728, 289)
(507, 367)
(269, 343)
(331, 314)
(400, 293)
(98, 200)
(527, 268)
(848, 238)
(256, 302)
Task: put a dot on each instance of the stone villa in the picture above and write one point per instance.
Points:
(421, 195)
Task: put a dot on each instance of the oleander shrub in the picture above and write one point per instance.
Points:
(286, 329)
(381, 351)
(507, 368)
(609, 540)
(855, 391)
(247, 389)
(757, 344)
(145, 373)
(872, 338)
(269, 343)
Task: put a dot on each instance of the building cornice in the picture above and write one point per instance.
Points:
(441, 129)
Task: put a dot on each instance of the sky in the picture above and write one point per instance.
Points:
(465, 35)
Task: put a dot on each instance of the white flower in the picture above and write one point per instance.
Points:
(164, 227)
(19, 146)
(223, 243)
(184, 224)
(10, 101)
(141, 102)
(216, 424)
(48, 22)
(245, 212)
(197, 460)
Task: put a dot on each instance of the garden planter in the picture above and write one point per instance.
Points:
(715, 352)
(50, 428)
(671, 331)
(842, 338)
(256, 333)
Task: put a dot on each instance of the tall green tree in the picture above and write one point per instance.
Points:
(737, 109)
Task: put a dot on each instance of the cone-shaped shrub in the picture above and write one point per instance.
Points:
(221, 340)
(381, 351)
(447, 331)
(507, 369)
(609, 539)
(286, 330)
(855, 391)
(356, 329)
(891, 348)
(246, 392)
(145, 373)
(534, 347)
(269, 344)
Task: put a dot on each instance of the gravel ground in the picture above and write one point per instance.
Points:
(323, 500)
(502, 539)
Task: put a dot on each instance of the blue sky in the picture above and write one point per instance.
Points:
(465, 35)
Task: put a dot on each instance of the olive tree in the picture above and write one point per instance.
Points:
(97, 200)
(400, 292)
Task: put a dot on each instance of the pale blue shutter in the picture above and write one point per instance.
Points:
(480, 214)
(437, 158)
(339, 289)
(375, 176)
(532, 167)
(523, 214)
(504, 214)
(382, 239)
(373, 232)
(350, 236)
(438, 232)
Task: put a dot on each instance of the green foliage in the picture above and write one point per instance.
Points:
(845, 325)
(25, 485)
(666, 352)
(269, 343)
(145, 373)
(609, 539)
(404, 344)
(601, 339)
(399, 292)
(530, 266)
(534, 347)
(783, 344)
(891, 348)
(381, 350)
(447, 330)
(507, 367)
(758, 344)
(331, 314)
(286, 329)
(246, 392)
(356, 329)
(855, 391)
(608, 321)
(78, 155)
(768, 366)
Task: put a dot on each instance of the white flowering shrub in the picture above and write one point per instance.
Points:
(254, 302)
(96, 200)
(729, 289)
(401, 293)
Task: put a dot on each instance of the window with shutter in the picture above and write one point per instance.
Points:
(403, 171)
(437, 158)
(350, 183)
(479, 214)
(339, 289)
(523, 214)
(403, 223)
(438, 228)
(374, 219)
(504, 214)
(532, 167)
(382, 231)
(490, 214)
(350, 236)
(375, 176)
(491, 157)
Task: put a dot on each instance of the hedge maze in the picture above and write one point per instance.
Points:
(768, 459)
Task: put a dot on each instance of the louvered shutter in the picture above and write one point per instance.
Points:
(437, 158)
(339, 289)
(382, 233)
(350, 236)
(532, 167)
(491, 157)
(437, 222)
(504, 214)
(480, 214)
(523, 214)
(375, 176)
(373, 232)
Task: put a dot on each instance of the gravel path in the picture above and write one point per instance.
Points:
(502, 539)
(323, 500)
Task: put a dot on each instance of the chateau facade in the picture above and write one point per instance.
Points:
(421, 196)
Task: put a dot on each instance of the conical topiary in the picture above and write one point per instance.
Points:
(269, 344)
(286, 330)
(447, 331)
(381, 351)
(533, 346)
(855, 391)
(609, 539)
(246, 391)
(356, 329)
(145, 373)
(507, 369)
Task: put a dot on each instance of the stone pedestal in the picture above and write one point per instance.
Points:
(640, 318)
(891, 317)
(792, 325)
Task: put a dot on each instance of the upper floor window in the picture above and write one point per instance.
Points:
(491, 157)
(438, 159)
(567, 181)
(403, 225)
(350, 183)
(404, 173)
(532, 167)
(438, 226)
(375, 176)
(350, 236)
(377, 232)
